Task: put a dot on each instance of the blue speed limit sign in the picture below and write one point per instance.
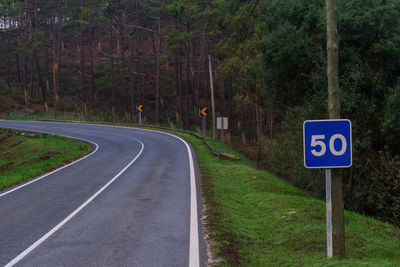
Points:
(327, 144)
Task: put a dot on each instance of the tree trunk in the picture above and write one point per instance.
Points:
(26, 47)
(260, 137)
(178, 89)
(82, 60)
(195, 78)
(131, 83)
(30, 91)
(271, 121)
(18, 68)
(54, 67)
(24, 75)
(241, 115)
(47, 64)
(55, 81)
(32, 32)
(41, 84)
(222, 104)
(158, 64)
(92, 77)
(141, 71)
(188, 85)
(112, 74)
(123, 71)
(8, 62)
(55, 54)
(221, 93)
(142, 84)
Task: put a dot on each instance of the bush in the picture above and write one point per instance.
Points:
(371, 185)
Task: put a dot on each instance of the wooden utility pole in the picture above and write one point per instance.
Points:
(212, 96)
(334, 113)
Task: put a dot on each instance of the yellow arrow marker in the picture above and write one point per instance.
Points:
(204, 111)
(139, 108)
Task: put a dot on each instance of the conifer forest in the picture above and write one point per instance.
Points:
(97, 60)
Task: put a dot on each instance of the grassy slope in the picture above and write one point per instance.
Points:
(26, 155)
(260, 220)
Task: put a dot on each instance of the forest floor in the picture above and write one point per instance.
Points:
(257, 219)
(25, 155)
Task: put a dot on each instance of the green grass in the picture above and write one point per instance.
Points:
(26, 155)
(258, 219)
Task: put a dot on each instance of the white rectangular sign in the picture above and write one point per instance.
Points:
(222, 123)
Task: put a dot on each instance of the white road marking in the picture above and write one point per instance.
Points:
(59, 169)
(194, 258)
(69, 217)
(194, 252)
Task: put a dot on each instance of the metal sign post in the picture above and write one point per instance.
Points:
(139, 110)
(327, 145)
(222, 124)
(222, 137)
(203, 114)
(203, 125)
(328, 186)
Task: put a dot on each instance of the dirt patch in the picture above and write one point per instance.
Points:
(49, 155)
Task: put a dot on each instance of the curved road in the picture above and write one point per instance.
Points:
(134, 201)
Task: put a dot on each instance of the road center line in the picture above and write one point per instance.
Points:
(69, 217)
(194, 252)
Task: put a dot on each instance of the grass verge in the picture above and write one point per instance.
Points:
(258, 219)
(26, 155)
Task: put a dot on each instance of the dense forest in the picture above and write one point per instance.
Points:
(100, 59)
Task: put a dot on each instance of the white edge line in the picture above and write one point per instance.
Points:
(69, 217)
(56, 170)
(194, 258)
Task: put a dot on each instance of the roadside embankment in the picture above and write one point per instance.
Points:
(257, 219)
(25, 155)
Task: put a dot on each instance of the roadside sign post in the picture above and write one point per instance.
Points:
(203, 125)
(328, 188)
(327, 144)
(203, 114)
(140, 110)
(222, 124)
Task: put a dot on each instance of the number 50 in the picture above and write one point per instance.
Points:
(316, 140)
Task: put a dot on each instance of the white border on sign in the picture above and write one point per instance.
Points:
(328, 167)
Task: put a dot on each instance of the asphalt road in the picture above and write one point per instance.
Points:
(134, 201)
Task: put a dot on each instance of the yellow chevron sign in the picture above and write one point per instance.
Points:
(139, 108)
(203, 111)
